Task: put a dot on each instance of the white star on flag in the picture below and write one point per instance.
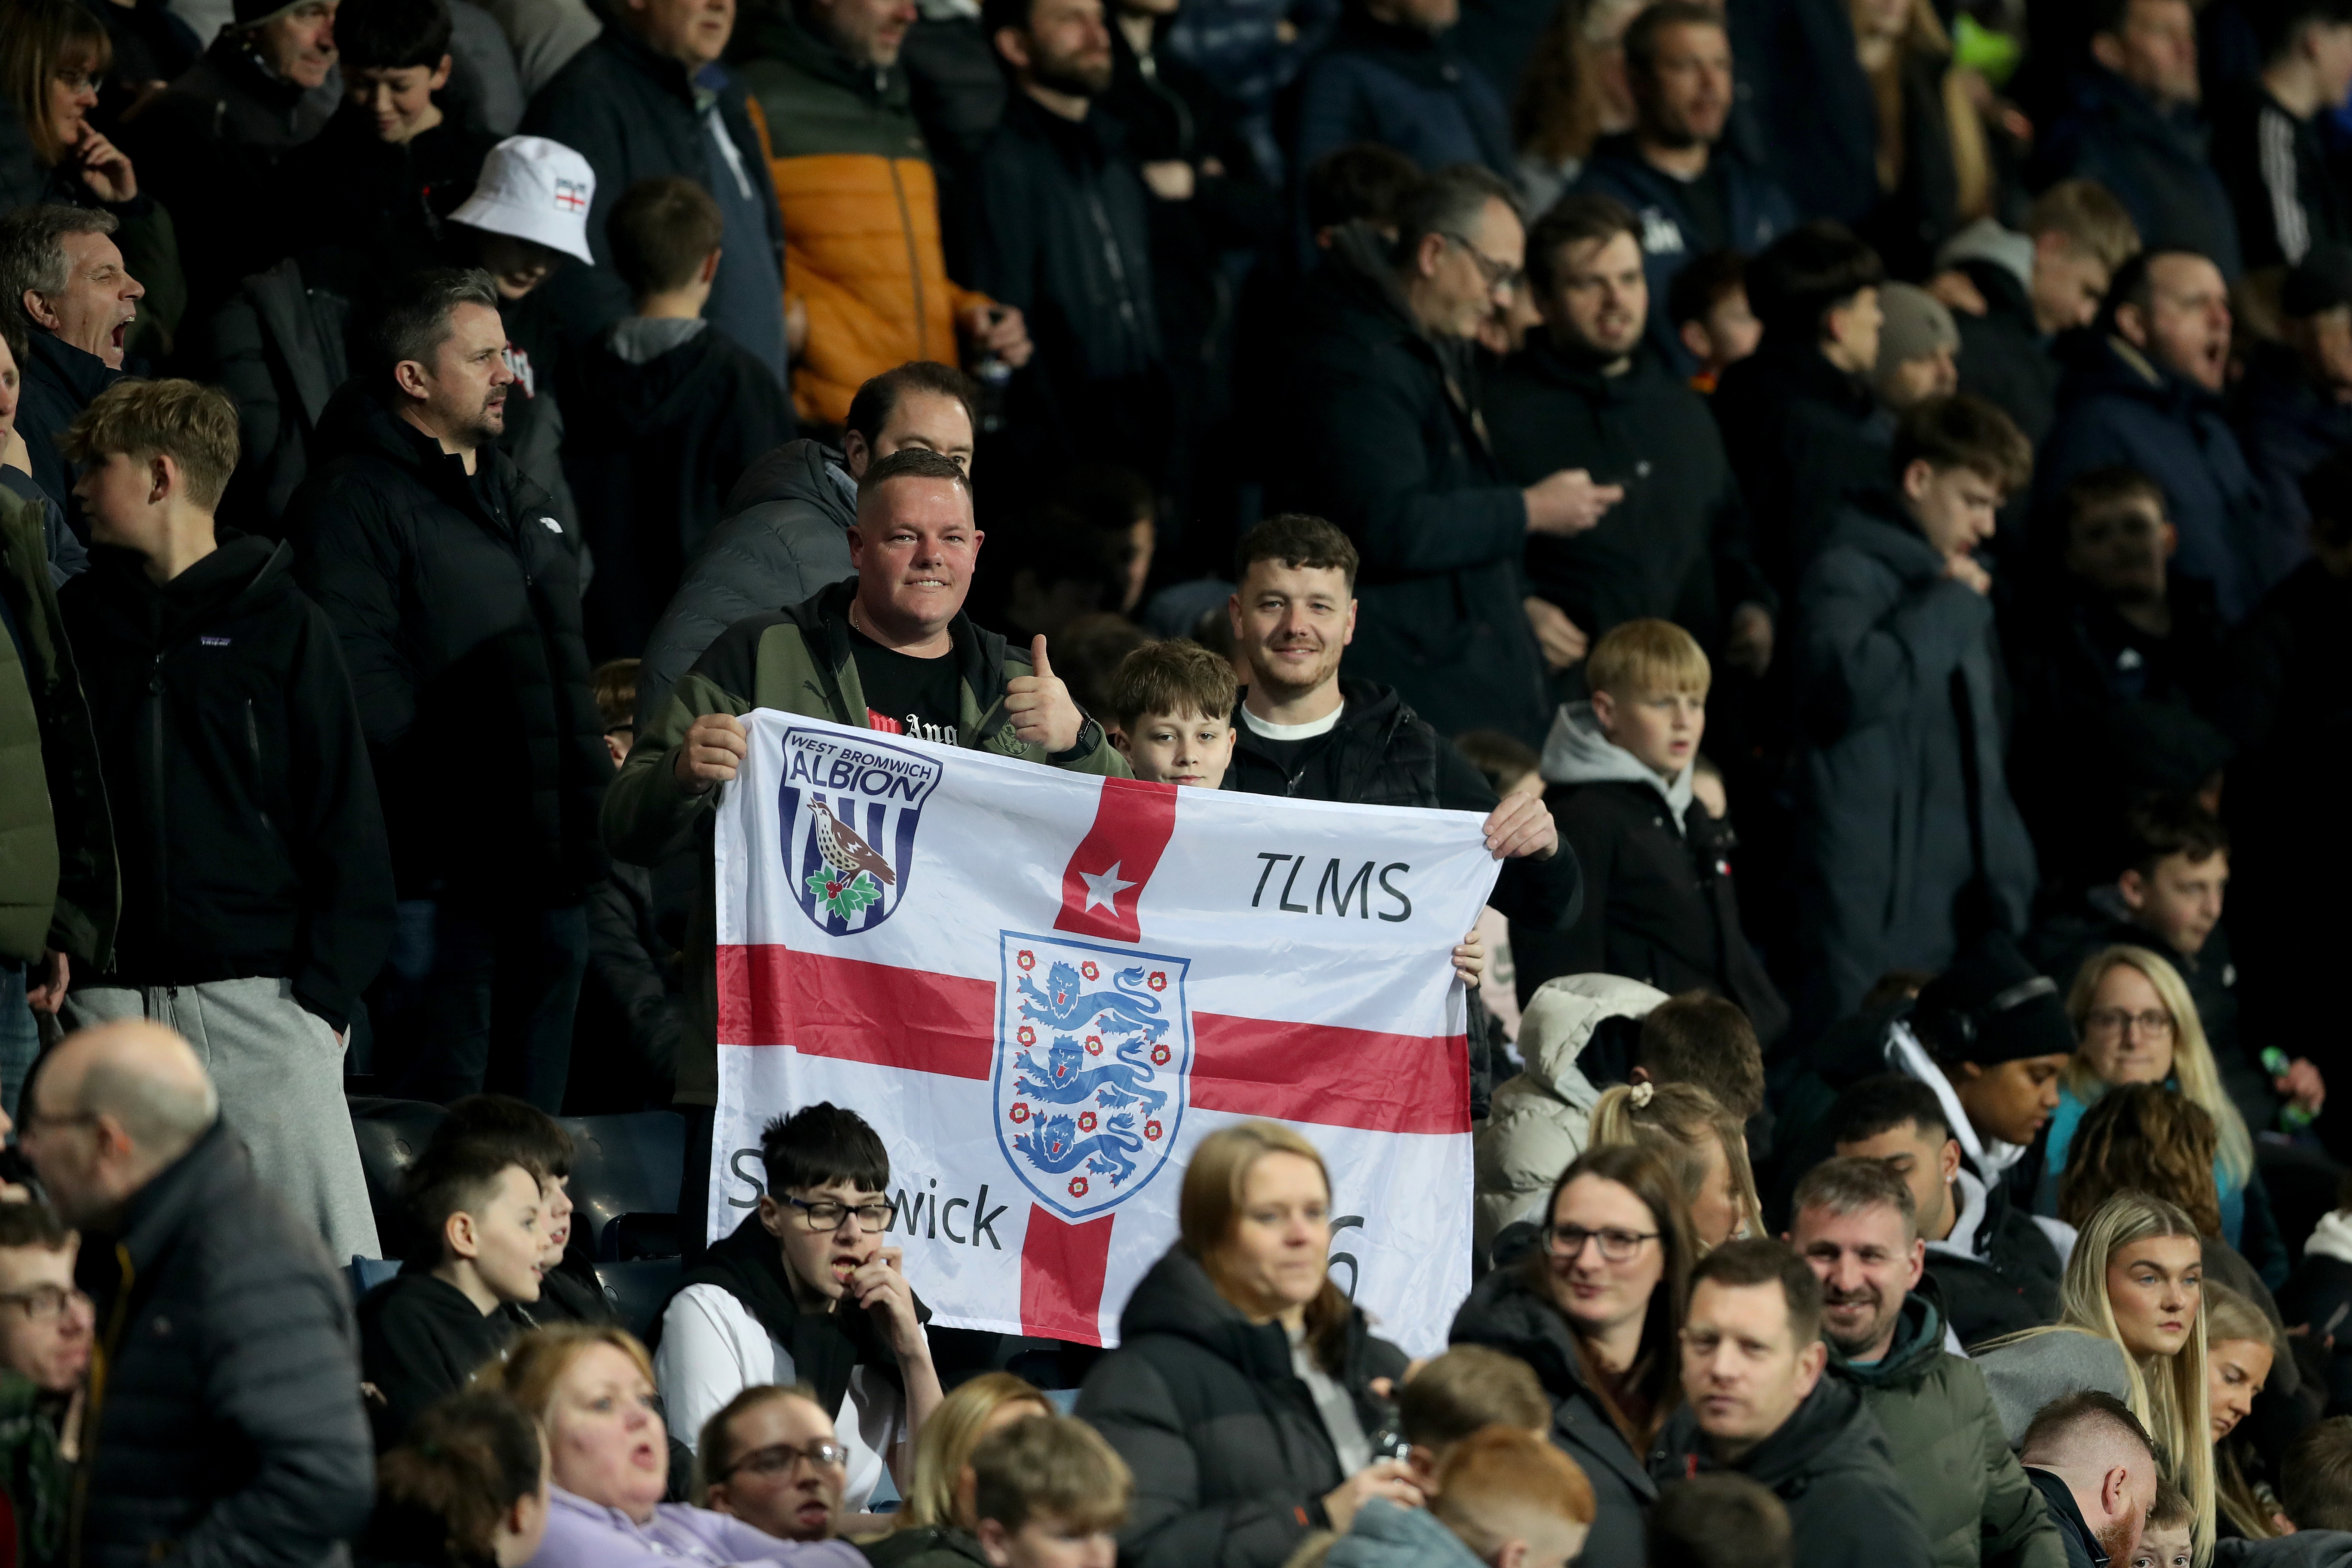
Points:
(1103, 890)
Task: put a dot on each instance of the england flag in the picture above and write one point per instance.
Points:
(1043, 988)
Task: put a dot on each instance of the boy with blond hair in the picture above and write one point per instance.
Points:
(1659, 905)
(244, 806)
(1048, 1492)
(1505, 1497)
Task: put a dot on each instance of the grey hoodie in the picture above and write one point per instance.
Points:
(1386, 1535)
(1576, 752)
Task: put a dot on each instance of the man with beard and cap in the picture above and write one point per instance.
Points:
(245, 810)
(1057, 228)
(1853, 1223)
(1759, 1405)
(455, 592)
(1590, 393)
(2094, 1466)
(1918, 348)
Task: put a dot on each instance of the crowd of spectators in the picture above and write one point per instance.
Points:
(1919, 431)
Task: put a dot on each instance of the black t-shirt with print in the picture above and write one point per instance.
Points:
(906, 695)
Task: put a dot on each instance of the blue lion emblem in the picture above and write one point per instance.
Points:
(1130, 1009)
(1056, 1147)
(1065, 1079)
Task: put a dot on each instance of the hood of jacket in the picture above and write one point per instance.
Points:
(241, 68)
(1388, 1535)
(1561, 1019)
(1832, 1430)
(648, 371)
(1576, 752)
(1176, 1296)
(244, 573)
(1875, 523)
(778, 33)
(802, 470)
(82, 373)
(1357, 277)
(2104, 365)
(1918, 1346)
(2332, 1236)
(1987, 241)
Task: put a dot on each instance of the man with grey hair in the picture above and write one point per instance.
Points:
(1388, 443)
(1852, 1221)
(2094, 1466)
(60, 267)
(227, 1426)
(455, 590)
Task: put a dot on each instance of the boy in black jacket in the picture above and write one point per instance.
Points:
(258, 887)
(424, 1331)
(665, 415)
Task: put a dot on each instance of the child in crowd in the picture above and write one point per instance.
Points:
(537, 1141)
(804, 1289)
(1048, 1492)
(664, 414)
(1504, 1496)
(1707, 303)
(2167, 1543)
(467, 1489)
(1463, 1392)
(1512, 767)
(2316, 1482)
(1717, 1521)
(424, 1331)
(1659, 905)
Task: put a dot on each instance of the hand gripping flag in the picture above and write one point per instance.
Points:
(1043, 988)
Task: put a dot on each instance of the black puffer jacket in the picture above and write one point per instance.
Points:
(1829, 1464)
(250, 838)
(457, 599)
(1231, 1457)
(782, 538)
(1506, 1311)
(227, 1432)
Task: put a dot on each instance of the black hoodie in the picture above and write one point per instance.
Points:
(244, 810)
(1801, 434)
(420, 1338)
(1229, 1454)
(458, 600)
(1828, 1463)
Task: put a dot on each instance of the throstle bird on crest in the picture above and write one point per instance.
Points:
(849, 809)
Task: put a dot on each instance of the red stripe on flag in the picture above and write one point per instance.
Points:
(855, 1011)
(1111, 864)
(1337, 1077)
(1062, 1268)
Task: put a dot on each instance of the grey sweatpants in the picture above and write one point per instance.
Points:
(279, 1071)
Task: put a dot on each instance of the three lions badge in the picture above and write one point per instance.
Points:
(849, 810)
(1093, 1044)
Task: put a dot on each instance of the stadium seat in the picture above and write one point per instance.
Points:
(636, 1290)
(628, 1164)
(367, 1273)
(391, 1133)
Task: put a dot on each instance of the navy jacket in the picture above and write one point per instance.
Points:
(2116, 407)
(1760, 213)
(1403, 88)
(2286, 426)
(57, 381)
(2154, 160)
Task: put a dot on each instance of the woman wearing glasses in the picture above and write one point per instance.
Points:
(2135, 1023)
(1596, 1310)
(1246, 1388)
(592, 1390)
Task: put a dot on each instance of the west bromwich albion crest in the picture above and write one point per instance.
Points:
(1094, 1049)
(850, 809)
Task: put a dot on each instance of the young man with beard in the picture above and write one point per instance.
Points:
(1752, 1362)
(1853, 1223)
(455, 592)
(2094, 1466)
(1590, 393)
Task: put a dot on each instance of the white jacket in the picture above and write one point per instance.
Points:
(1541, 1118)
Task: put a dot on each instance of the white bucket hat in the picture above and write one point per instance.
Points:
(531, 188)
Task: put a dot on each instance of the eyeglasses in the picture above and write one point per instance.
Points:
(1497, 274)
(43, 1303)
(829, 1217)
(1565, 1242)
(76, 81)
(2155, 1023)
(779, 1458)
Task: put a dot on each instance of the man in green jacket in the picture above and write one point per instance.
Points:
(889, 649)
(58, 890)
(1852, 1222)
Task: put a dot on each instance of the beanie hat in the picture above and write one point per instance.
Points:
(1991, 1005)
(531, 188)
(1916, 325)
(2319, 282)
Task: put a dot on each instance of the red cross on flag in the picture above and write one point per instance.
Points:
(1043, 988)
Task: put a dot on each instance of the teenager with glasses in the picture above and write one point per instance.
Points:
(807, 1290)
(1596, 1310)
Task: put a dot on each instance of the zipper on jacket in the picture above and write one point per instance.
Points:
(159, 845)
(253, 743)
(914, 261)
(1116, 263)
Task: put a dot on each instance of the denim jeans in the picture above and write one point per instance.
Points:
(480, 998)
(20, 1036)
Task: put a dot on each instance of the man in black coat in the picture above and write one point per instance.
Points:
(229, 1426)
(1387, 440)
(457, 594)
(649, 98)
(238, 777)
(1759, 1407)
(2094, 1466)
(60, 267)
(1590, 392)
(1055, 223)
(2271, 139)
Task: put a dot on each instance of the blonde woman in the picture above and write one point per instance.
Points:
(1704, 1143)
(2134, 1022)
(2134, 1284)
(2241, 1352)
(934, 1529)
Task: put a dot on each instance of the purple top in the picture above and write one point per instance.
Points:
(582, 1534)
